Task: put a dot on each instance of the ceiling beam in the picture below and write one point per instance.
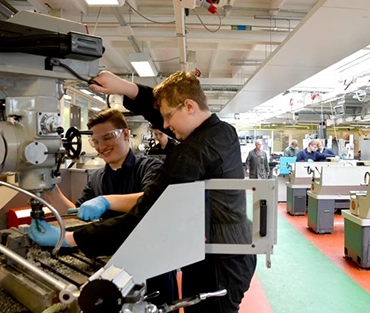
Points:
(283, 69)
(276, 6)
(228, 37)
(81, 6)
(180, 32)
(213, 62)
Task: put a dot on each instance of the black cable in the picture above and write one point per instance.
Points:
(67, 67)
(108, 102)
(55, 62)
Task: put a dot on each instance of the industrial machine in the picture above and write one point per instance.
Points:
(281, 174)
(38, 279)
(357, 226)
(38, 54)
(300, 182)
(34, 65)
(330, 191)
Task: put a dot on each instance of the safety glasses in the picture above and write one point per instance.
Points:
(167, 116)
(105, 139)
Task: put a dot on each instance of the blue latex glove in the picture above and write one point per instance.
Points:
(93, 209)
(309, 160)
(44, 234)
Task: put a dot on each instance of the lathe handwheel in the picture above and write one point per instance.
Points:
(72, 138)
(100, 296)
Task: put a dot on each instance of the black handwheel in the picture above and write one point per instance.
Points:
(72, 142)
(100, 296)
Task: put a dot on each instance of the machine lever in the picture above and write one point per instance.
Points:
(151, 295)
(182, 303)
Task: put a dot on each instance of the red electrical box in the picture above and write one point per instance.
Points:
(19, 216)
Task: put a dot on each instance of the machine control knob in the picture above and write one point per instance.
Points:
(35, 152)
(48, 123)
(60, 130)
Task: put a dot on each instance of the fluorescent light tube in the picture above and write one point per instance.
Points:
(105, 3)
(143, 65)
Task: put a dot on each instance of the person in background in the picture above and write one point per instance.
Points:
(322, 149)
(292, 150)
(358, 156)
(257, 162)
(114, 189)
(209, 149)
(164, 145)
(310, 154)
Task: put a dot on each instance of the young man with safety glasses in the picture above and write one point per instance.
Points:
(114, 189)
(209, 149)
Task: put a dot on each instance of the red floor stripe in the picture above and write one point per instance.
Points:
(332, 245)
(255, 300)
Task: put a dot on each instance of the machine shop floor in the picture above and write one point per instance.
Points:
(309, 273)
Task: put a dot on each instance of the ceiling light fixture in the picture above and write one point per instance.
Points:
(143, 64)
(105, 3)
(245, 64)
(244, 60)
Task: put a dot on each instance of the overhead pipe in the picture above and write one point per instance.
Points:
(121, 20)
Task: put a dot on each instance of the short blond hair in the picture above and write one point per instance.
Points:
(177, 88)
(313, 142)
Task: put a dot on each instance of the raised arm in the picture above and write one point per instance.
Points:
(112, 84)
(137, 98)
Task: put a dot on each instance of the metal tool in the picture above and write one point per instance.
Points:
(191, 301)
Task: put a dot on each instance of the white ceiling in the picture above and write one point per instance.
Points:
(331, 31)
(289, 39)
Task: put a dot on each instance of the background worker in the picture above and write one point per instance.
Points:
(165, 144)
(292, 150)
(310, 154)
(257, 163)
(209, 149)
(115, 188)
(322, 149)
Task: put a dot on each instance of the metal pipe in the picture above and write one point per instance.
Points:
(52, 209)
(8, 6)
(17, 258)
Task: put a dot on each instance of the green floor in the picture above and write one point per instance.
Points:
(303, 280)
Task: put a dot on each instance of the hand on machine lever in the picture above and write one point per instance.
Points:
(44, 234)
(92, 209)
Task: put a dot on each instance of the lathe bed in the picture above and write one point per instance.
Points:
(25, 292)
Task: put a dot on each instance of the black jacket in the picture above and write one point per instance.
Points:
(133, 176)
(157, 149)
(211, 151)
